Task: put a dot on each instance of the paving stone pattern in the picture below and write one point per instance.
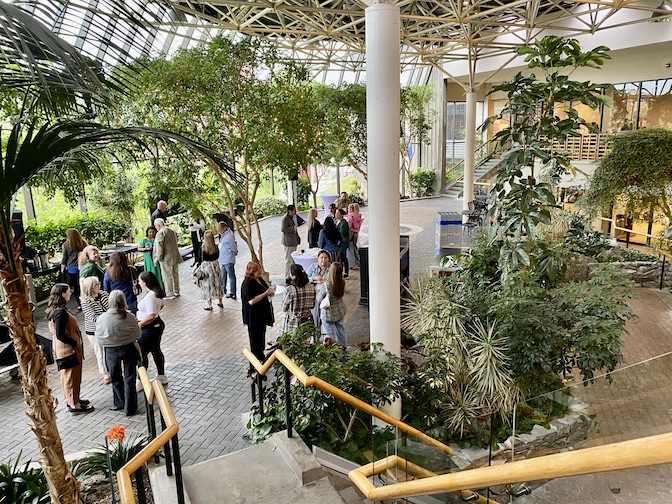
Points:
(210, 394)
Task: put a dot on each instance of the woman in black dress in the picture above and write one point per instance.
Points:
(255, 295)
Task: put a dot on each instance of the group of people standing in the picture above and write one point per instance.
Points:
(121, 320)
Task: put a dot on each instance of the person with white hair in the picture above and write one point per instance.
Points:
(159, 212)
(117, 332)
(167, 256)
(95, 302)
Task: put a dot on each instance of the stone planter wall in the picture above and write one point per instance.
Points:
(642, 273)
(561, 434)
(645, 273)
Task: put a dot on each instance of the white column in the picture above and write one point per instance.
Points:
(383, 115)
(28, 202)
(469, 147)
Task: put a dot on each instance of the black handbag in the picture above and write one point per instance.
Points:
(67, 362)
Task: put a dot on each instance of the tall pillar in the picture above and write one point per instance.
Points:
(382, 117)
(469, 148)
(28, 202)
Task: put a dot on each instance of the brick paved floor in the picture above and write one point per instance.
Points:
(209, 392)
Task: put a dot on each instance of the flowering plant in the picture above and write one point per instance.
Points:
(122, 448)
(116, 434)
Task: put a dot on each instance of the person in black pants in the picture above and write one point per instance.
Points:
(117, 332)
(255, 295)
(151, 324)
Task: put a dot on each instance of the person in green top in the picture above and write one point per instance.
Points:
(89, 263)
(343, 228)
(146, 246)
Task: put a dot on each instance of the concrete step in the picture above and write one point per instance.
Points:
(163, 486)
(280, 471)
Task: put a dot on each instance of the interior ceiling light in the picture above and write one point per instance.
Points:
(663, 13)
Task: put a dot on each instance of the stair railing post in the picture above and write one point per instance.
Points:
(166, 449)
(140, 483)
(260, 385)
(179, 483)
(288, 402)
(662, 274)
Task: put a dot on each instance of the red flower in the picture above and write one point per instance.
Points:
(116, 434)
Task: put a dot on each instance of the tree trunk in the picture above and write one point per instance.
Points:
(63, 487)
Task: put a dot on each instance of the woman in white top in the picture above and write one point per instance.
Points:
(151, 324)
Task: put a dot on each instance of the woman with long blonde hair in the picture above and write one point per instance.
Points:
(89, 263)
(72, 246)
(332, 312)
(209, 273)
(314, 228)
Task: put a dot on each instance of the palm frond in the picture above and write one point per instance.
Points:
(35, 61)
(31, 150)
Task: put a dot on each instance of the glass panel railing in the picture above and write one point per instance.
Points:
(624, 405)
(418, 460)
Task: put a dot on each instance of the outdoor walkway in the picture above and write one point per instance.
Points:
(210, 394)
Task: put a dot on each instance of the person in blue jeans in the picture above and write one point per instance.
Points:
(332, 315)
(228, 249)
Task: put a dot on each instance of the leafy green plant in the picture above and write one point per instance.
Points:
(637, 171)
(303, 190)
(97, 229)
(524, 202)
(582, 239)
(423, 181)
(269, 205)
(122, 448)
(21, 484)
(320, 419)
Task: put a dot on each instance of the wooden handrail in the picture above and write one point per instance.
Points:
(647, 451)
(314, 381)
(154, 390)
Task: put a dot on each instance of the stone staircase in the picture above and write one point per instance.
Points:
(280, 471)
(455, 190)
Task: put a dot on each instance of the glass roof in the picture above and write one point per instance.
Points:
(329, 35)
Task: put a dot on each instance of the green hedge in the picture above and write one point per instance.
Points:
(96, 229)
(269, 205)
(423, 181)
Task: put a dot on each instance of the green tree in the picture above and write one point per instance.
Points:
(259, 113)
(416, 119)
(523, 202)
(637, 170)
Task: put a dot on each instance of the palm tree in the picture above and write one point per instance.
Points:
(44, 79)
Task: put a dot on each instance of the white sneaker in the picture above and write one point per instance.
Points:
(138, 386)
(162, 378)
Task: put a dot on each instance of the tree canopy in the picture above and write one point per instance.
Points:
(638, 170)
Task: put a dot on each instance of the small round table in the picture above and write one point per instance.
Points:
(306, 258)
(328, 199)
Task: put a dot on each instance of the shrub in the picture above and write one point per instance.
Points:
(356, 198)
(122, 449)
(96, 229)
(269, 205)
(582, 239)
(22, 484)
(319, 418)
(303, 191)
(423, 181)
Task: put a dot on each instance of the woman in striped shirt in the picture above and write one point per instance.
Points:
(94, 303)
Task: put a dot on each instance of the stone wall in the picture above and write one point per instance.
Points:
(645, 273)
(561, 434)
(642, 273)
